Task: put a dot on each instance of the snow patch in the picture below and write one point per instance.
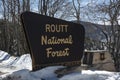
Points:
(19, 68)
(92, 75)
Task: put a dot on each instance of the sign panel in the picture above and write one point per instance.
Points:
(53, 41)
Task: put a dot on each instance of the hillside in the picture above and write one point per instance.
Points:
(93, 31)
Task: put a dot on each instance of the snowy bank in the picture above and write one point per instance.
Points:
(92, 75)
(19, 68)
(10, 63)
(48, 74)
(43, 74)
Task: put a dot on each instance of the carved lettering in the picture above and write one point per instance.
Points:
(60, 53)
(55, 40)
(56, 28)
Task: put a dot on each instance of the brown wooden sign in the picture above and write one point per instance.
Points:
(53, 41)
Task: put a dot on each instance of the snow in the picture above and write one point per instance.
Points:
(19, 68)
(25, 74)
(11, 63)
(92, 75)
(3, 55)
(47, 73)
(24, 61)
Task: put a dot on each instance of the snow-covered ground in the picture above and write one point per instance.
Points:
(19, 68)
(10, 63)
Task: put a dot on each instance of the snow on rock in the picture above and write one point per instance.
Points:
(18, 75)
(19, 68)
(47, 73)
(24, 74)
(92, 75)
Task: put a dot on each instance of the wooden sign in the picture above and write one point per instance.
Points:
(53, 41)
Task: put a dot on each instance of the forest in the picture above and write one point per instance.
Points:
(102, 12)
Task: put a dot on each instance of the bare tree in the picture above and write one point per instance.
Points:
(12, 32)
(52, 7)
(66, 11)
(25, 5)
(104, 12)
(109, 11)
(114, 13)
(4, 12)
(42, 6)
(77, 7)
